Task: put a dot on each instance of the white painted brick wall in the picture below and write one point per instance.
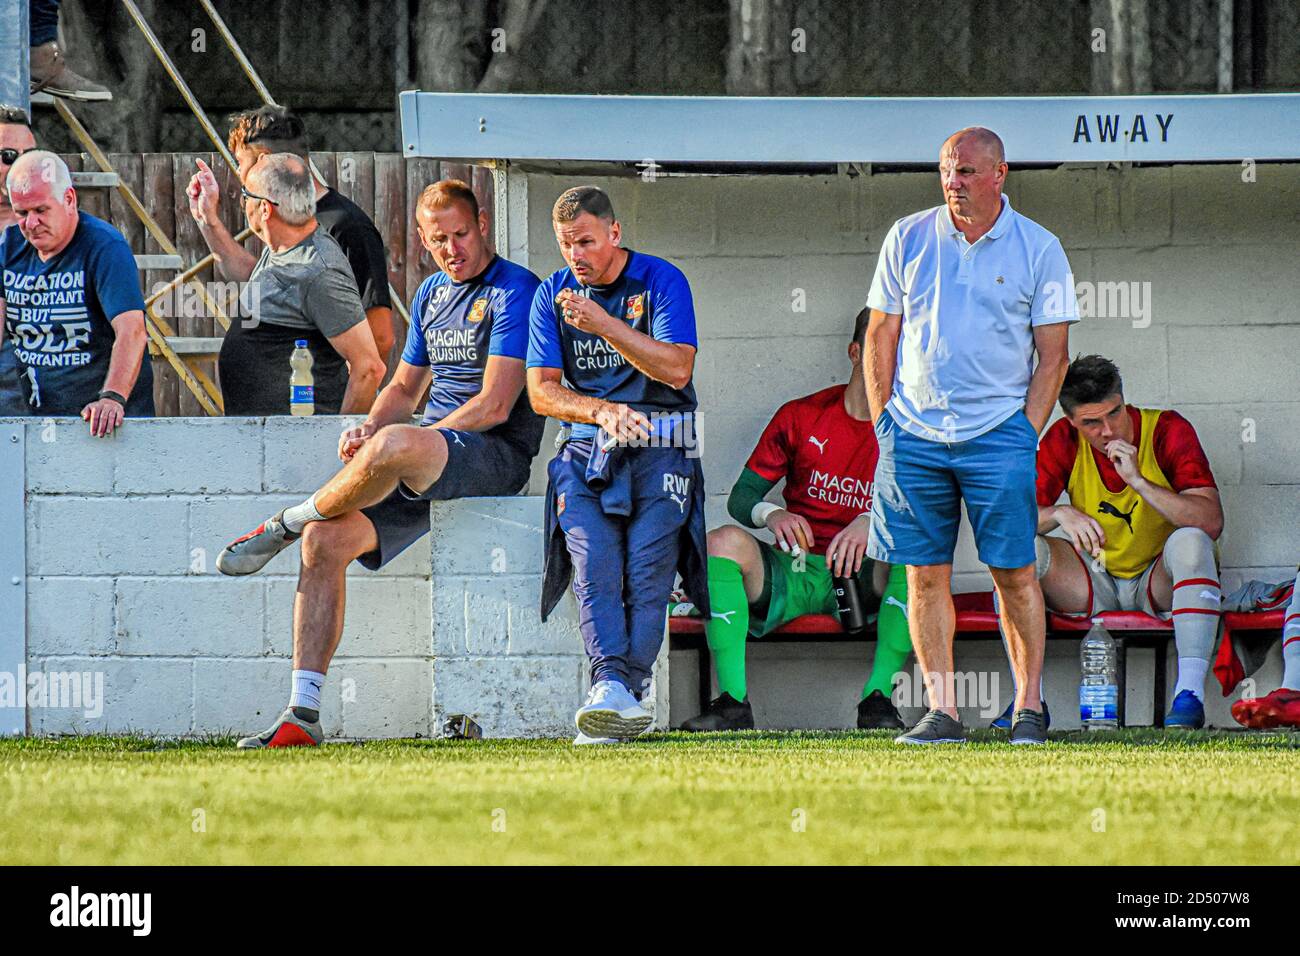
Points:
(122, 533)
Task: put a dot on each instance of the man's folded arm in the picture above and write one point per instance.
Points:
(749, 490)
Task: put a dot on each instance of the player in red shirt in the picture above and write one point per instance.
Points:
(1281, 708)
(824, 447)
(1140, 524)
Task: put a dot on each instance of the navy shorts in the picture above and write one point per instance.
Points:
(479, 465)
(920, 486)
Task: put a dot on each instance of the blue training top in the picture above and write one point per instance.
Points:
(651, 295)
(456, 326)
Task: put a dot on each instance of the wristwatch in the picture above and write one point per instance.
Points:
(108, 393)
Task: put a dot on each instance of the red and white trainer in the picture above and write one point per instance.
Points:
(289, 731)
(249, 554)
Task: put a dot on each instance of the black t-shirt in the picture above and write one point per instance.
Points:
(353, 230)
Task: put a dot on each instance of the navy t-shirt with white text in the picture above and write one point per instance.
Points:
(58, 316)
(653, 297)
(456, 326)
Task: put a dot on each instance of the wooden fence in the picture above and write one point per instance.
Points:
(385, 185)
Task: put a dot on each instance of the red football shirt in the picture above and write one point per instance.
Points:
(827, 458)
(1178, 453)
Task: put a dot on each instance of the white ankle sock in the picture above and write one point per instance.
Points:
(306, 689)
(1191, 676)
(299, 515)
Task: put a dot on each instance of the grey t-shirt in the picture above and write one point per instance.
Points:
(308, 286)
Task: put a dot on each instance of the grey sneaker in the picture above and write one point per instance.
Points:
(289, 731)
(52, 76)
(936, 727)
(249, 554)
(1028, 727)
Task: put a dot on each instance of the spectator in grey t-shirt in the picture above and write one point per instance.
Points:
(301, 288)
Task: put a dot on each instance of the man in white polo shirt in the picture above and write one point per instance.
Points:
(963, 297)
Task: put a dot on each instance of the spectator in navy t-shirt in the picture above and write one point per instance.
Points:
(71, 303)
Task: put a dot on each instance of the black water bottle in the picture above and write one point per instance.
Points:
(848, 600)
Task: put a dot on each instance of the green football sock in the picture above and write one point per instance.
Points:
(893, 643)
(728, 628)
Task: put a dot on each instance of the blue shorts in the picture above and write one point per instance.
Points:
(920, 485)
(479, 465)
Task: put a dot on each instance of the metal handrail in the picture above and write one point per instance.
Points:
(190, 100)
(251, 72)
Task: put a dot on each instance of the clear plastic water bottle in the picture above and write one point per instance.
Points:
(1098, 686)
(302, 387)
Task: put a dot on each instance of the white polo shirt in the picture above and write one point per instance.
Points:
(966, 348)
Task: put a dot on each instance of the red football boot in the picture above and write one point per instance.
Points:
(1279, 709)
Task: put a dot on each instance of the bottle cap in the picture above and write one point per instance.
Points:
(300, 344)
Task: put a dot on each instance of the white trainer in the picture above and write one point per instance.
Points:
(612, 711)
(582, 740)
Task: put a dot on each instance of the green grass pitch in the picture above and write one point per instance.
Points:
(1136, 796)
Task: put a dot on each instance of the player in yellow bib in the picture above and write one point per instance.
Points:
(1140, 524)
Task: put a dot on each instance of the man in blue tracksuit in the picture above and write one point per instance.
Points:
(611, 351)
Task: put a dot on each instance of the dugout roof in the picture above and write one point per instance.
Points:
(718, 132)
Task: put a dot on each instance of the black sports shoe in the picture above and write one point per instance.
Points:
(1003, 722)
(936, 727)
(1028, 727)
(877, 712)
(723, 713)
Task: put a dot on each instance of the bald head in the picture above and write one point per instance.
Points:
(285, 179)
(43, 201)
(972, 170)
(979, 140)
(38, 170)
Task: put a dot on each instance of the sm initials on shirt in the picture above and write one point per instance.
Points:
(455, 332)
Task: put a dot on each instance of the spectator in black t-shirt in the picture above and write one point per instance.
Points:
(273, 129)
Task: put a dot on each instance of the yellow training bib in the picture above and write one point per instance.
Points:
(1135, 531)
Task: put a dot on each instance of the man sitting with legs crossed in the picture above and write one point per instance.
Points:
(465, 350)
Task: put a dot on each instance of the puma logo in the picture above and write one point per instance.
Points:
(1106, 508)
(725, 615)
(897, 603)
(677, 487)
(821, 445)
(455, 436)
